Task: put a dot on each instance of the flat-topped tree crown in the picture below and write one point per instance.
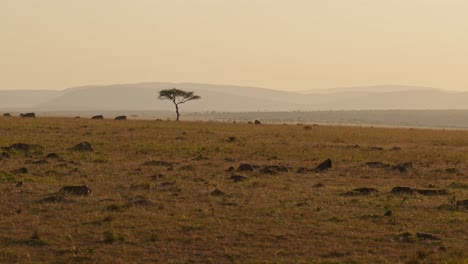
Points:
(177, 97)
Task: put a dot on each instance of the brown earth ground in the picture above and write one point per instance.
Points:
(182, 206)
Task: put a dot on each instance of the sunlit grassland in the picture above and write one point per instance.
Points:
(169, 214)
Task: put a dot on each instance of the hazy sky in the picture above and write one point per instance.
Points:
(279, 44)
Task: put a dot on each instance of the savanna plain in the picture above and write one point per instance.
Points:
(206, 192)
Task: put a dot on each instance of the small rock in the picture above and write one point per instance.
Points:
(76, 190)
(376, 148)
(22, 170)
(142, 202)
(83, 147)
(425, 236)
(217, 192)
(402, 190)
(432, 192)
(318, 185)
(237, 178)
(324, 166)
(140, 186)
(388, 213)
(231, 169)
(402, 167)
(377, 165)
(245, 167)
(52, 156)
(395, 149)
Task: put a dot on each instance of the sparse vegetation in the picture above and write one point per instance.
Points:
(231, 193)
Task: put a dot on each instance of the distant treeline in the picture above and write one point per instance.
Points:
(411, 118)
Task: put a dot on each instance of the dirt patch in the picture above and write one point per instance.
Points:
(462, 204)
(361, 191)
(453, 171)
(405, 237)
(157, 163)
(25, 148)
(273, 169)
(403, 167)
(458, 185)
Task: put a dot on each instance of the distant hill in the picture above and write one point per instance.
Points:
(228, 98)
(25, 98)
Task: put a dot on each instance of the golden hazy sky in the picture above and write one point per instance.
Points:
(279, 44)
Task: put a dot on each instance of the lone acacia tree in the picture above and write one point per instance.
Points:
(177, 97)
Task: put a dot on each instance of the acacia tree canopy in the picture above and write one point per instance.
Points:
(177, 97)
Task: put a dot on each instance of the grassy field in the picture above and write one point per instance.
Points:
(164, 192)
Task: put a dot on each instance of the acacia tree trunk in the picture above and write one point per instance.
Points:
(177, 111)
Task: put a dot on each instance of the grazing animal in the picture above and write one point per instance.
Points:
(7, 114)
(98, 117)
(121, 118)
(28, 115)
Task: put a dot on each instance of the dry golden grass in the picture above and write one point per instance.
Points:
(170, 214)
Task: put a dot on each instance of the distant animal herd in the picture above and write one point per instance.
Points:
(101, 117)
(33, 115)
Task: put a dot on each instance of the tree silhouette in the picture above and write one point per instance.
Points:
(177, 97)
